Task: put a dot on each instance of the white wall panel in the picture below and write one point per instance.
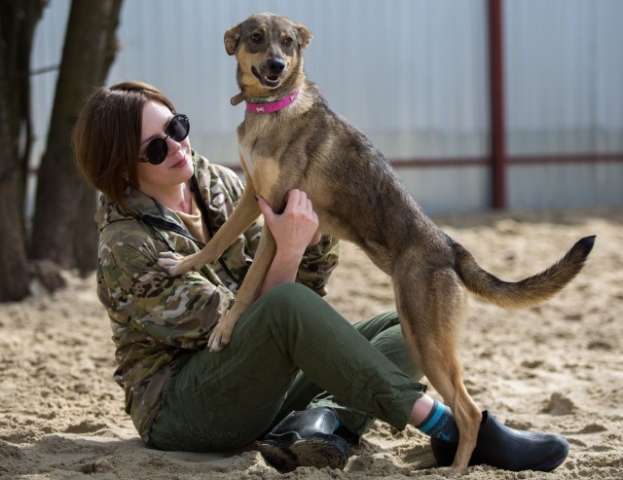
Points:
(565, 185)
(412, 74)
(564, 76)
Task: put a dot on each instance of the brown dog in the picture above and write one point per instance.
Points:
(357, 198)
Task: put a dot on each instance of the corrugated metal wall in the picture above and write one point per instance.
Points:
(564, 76)
(564, 71)
(412, 74)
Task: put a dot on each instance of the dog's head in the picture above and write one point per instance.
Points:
(269, 52)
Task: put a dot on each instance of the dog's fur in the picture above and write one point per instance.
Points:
(358, 198)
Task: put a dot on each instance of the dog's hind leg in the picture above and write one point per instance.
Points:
(430, 304)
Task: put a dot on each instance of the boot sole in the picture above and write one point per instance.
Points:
(310, 452)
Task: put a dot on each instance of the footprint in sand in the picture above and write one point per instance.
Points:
(599, 345)
(85, 426)
(100, 465)
(590, 428)
(601, 448)
(575, 441)
(573, 317)
(532, 363)
(558, 404)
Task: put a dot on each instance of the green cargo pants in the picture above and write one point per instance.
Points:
(289, 351)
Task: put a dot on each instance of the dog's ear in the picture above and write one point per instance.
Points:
(232, 37)
(304, 35)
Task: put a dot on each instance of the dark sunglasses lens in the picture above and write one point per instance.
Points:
(178, 128)
(156, 151)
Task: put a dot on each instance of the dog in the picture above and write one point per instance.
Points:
(307, 146)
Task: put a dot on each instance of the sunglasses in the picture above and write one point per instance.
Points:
(157, 149)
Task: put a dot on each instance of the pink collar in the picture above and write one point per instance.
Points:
(270, 107)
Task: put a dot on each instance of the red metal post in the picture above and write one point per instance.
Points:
(497, 118)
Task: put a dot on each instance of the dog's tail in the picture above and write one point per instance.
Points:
(526, 292)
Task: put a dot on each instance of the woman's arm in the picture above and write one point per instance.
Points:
(318, 263)
(293, 231)
(319, 258)
(177, 311)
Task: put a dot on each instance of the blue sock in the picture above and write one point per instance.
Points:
(440, 424)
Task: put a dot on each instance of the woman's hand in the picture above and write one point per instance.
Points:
(293, 230)
(296, 228)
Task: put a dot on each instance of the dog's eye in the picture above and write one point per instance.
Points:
(257, 37)
(286, 41)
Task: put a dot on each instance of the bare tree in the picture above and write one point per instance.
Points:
(17, 26)
(63, 227)
(85, 234)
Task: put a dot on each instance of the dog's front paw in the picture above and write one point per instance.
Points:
(221, 335)
(172, 263)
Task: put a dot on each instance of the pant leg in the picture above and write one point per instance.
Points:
(227, 399)
(385, 335)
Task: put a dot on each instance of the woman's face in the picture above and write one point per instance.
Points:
(177, 166)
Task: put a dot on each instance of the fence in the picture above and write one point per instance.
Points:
(477, 103)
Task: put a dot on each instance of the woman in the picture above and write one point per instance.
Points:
(296, 375)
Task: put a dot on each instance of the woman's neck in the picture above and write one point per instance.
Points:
(176, 197)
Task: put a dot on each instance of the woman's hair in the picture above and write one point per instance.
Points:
(107, 136)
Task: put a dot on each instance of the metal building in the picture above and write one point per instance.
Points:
(477, 103)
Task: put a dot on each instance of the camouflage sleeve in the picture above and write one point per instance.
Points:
(177, 311)
(318, 263)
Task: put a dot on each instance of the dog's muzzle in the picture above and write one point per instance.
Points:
(270, 72)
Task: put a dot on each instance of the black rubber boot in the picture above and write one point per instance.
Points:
(306, 438)
(503, 447)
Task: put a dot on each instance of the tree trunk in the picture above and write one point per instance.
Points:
(14, 276)
(85, 234)
(17, 26)
(63, 227)
(84, 239)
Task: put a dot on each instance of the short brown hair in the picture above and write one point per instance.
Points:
(107, 136)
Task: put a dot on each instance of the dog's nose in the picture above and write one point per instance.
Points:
(275, 65)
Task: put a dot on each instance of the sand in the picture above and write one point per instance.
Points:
(555, 367)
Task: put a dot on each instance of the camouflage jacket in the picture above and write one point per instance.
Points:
(158, 320)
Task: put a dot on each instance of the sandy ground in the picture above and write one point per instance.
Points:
(555, 367)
